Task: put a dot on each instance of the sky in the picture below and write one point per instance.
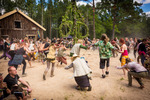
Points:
(145, 6)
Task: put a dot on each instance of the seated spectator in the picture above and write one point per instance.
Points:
(3, 88)
(16, 94)
(12, 79)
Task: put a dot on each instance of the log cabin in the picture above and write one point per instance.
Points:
(16, 24)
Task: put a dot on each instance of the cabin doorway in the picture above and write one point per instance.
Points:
(34, 37)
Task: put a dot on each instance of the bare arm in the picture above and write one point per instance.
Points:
(44, 49)
(25, 83)
(27, 50)
(121, 66)
(121, 50)
(35, 48)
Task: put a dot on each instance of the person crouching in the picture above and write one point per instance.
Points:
(81, 73)
(136, 70)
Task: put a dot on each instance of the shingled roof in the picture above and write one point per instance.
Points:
(19, 11)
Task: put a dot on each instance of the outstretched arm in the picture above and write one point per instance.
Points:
(124, 66)
(84, 47)
(70, 66)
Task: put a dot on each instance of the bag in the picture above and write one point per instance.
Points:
(51, 54)
(17, 60)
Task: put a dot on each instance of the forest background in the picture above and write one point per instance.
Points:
(116, 18)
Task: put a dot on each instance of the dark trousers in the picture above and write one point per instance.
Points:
(134, 52)
(137, 76)
(5, 54)
(24, 66)
(142, 59)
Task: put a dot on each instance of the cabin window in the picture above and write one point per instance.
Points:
(17, 24)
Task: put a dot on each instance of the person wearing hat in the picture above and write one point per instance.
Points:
(81, 73)
(76, 48)
(105, 53)
(136, 70)
(3, 88)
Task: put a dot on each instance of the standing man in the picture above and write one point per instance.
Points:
(142, 50)
(128, 44)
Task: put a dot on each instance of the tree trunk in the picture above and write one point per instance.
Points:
(74, 20)
(87, 21)
(50, 29)
(42, 14)
(94, 19)
(114, 22)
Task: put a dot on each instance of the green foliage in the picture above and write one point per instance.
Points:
(55, 15)
(31, 7)
(74, 22)
(99, 28)
(118, 11)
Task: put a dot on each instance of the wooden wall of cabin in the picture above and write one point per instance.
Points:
(27, 27)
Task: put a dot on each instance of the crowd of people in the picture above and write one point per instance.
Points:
(48, 51)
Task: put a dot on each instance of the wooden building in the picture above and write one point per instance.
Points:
(16, 24)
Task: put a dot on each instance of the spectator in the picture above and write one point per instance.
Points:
(12, 79)
(16, 94)
(3, 88)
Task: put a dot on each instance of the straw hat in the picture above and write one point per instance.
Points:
(74, 57)
(80, 41)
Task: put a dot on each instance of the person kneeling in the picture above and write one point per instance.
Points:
(81, 73)
(136, 70)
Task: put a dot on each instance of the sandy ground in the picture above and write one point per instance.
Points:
(62, 85)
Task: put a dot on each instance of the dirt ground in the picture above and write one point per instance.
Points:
(62, 85)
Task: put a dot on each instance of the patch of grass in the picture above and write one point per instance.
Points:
(120, 98)
(66, 98)
(121, 78)
(122, 89)
(71, 95)
(101, 98)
